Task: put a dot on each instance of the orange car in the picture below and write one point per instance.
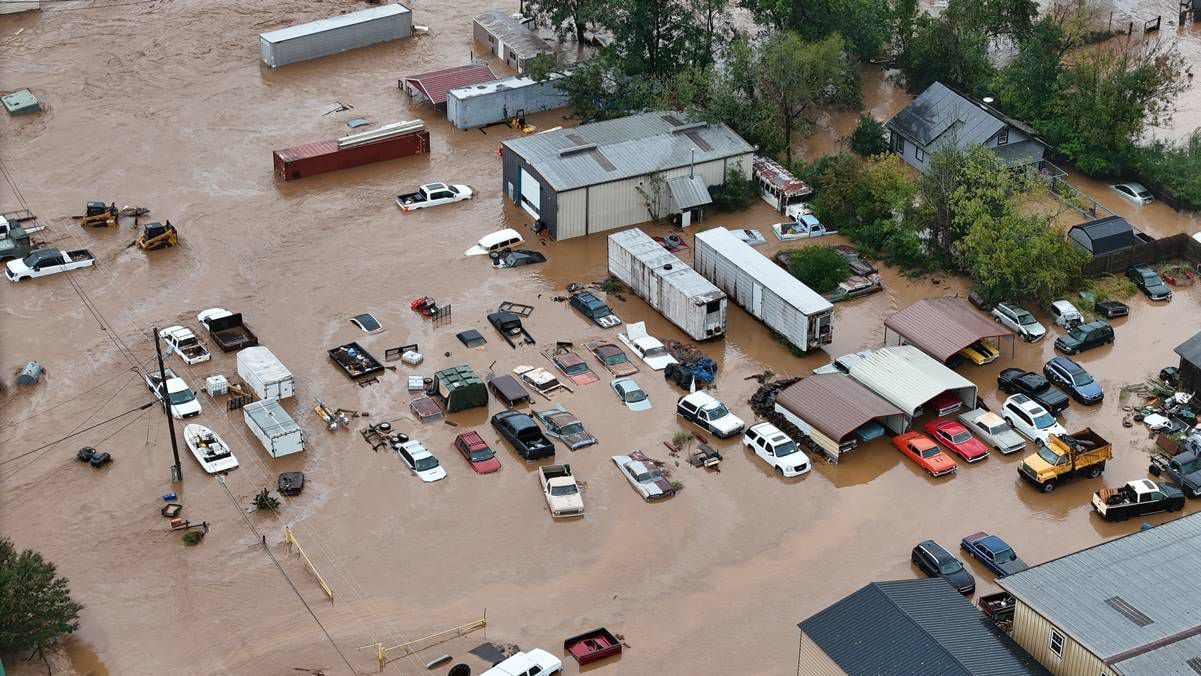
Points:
(922, 450)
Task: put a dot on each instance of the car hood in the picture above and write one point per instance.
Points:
(486, 466)
(728, 424)
(431, 475)
(973, 448)
(660, 362)
(940, 462)
(961, 580)
(577, 440)
(608, 321)
(1034, 329)
(1012, 566)
(17, 266)
(659, 488)
(1160, 289)
(187, 408)
(643, 405)
(1090, 391)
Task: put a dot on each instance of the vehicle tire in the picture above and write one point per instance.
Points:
(1191, 492)
(1095, 470)
(1154, 470)
(780, 472)
(1048, 486)
(1175, 508)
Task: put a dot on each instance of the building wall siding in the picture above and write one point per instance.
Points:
(1033, 632)
(572, 214)
(500, 106)
(813, 661)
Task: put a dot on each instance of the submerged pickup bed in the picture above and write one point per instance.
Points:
(231, 334)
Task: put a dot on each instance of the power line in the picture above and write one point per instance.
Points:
(61, 403)
(75, 434)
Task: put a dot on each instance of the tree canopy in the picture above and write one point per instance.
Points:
(35, 604)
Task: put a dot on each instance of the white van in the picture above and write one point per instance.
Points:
(496, 241)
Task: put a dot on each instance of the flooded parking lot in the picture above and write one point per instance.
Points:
(172, 110)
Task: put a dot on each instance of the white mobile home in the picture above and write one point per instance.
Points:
(764, 289)
(337, 34)
(681, 295)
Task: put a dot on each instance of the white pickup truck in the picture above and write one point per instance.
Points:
(182, 399)
(45, 262)
(561, 490)
(432, 195)
(536, 662)
(183, 342)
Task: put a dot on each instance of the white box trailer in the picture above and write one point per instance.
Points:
(764, 289)
(265, 374)
(275, 429)
(337, 34)
(677, 291)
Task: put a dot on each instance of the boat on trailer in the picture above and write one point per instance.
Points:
(210, 450)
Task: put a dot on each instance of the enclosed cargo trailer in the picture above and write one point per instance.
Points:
(764, 289)
(337, 34)
(265, 373)
(274, 428)
(326, 156)
(677, 291)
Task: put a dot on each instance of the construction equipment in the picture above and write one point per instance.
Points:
(333, 418)
(157, 236)
(518, 123)
(99, 214)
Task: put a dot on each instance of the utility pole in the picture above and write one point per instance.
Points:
(176, 470)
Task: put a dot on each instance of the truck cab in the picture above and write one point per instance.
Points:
(1064, 456)
(561, 491)
(587, 304)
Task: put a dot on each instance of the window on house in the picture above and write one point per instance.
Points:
(919, 154)
(1003, 137)
(1057, 643)
(900, 145)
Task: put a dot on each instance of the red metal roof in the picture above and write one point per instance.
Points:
(437, 83)
(779, 177)
(308, 150)
(940, 327)
(834, 404)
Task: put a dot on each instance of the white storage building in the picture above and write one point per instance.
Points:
(337, 34)
(608, 175)
(764, 289)
(677, 291)
(500, 100)
(265, 373)
(910, 379)
(273, 427)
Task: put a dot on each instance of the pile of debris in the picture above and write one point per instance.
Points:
(693, 366)
(763, 401)
(1164, 410)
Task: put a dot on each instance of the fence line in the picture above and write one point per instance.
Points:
(1145, 253)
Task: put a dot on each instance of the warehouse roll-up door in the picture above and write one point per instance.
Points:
(531, 194)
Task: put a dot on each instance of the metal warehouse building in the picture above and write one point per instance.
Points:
(616, 173)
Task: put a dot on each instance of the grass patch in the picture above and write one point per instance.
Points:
(192, 538)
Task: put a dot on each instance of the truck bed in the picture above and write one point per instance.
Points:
(231, 334)
(361, 365)
(80, 255)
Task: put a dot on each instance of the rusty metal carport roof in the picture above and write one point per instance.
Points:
(835, 404)
(940, 327)
(435, 84)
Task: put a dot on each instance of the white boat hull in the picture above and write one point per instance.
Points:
(210, 450)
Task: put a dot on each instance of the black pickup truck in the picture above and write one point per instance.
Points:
(227, 330)
(509, 326)
(524, 434)
(1035, 386)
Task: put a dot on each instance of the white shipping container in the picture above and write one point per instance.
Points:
(337, 34)
(681, 295)
(764, 289)
(275, 429)
(265, 374)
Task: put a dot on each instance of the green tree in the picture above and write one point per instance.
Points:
(1022, 257)
(904, 21)
(995, 18)
(650, 37)
(35, 605)
(868, 137)
(1025, 88)
(709, 19)
(728, 93)
(736, 193)
(565, 17)
(599, 90)
(1174, 168)
(863, 24)
(796, 77)
(818, 267)
(942, 51)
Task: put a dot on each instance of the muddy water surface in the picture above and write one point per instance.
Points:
(174, 112)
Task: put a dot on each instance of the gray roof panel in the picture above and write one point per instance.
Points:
(514, 34)
(941, 115)
(1170, 659)
(688, 192)
(919, 627)
(1074, 592)
(634, 146)
(1190, 350)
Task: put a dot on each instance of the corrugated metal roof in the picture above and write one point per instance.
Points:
(921, 627)
(778, 177)
(653, 255)
(308, 150)
(943, 326)
(834, 403)
(634, 145)
(792, 290)
(513, 33)
(1104, 235)
(1170, 659)
(688, 192)
(1190, 350)
(436, 84)
(906, 376)
(322, 25)
(939, 110)
(1154, 571)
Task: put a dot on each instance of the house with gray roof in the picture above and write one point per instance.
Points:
(917, 627)
(1190, 364)
(612, 174)
(1127, 607)
(940, 116)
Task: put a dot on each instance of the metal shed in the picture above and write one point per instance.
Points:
(1106, 235)
(909, 378)
(434, 86)
(334, 35)
(273, 427)
(509, 38)
(487, 103)
(1190, 364)
(830, 407)
(764, 289)
(611, 174)
(941, 327)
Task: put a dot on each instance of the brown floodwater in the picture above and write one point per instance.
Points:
(171, 110)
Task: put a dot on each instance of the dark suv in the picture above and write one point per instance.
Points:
(1074, 380)
(595, 309)
(1085, 337)
(935, 561)
(1031, 384)
(1149, 282)
(524, 434)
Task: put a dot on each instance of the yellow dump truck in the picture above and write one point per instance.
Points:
(1065, 456)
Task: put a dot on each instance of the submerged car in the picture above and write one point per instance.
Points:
(1020, 321)
(477, 453)
(517, 258)
(647, 347)
(980, 353)
(935, 561)
(1133, 192)
(1032, 420)
(1074, 380)
(750, 237)
(777, 449)
(1085, 337)
(922, 450)
(631, 394)
(1149, 282)
(806, 226)
(644, 476)
(612, 357)
(421, 461)
(1031, 384)
(587, 304)
(956, 437)
(994, 553)
(709, 414)
(563, 425)
(574, 367)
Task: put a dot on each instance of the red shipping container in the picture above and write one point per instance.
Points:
(325, 156)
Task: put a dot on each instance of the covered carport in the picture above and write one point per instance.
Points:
(941, 327)
(830, 408)
(910, 379)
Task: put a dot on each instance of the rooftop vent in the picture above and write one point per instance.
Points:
(1128, 611)
(1194, 663)
(572, 150)
(690, 126)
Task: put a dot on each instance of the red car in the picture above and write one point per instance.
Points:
(924, 452)
(956, 437)
(477, 453)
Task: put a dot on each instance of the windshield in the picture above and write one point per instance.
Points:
(453, 190)
(426, 463)
(1043, 420)
(481, 455)
(1026, 319)
(1076, 334)
(961, 437)
(1082, 378)
(575, 369)
(1049, 456)
(181, 397)
(1003, 555)
(631, 396)
(612, 359)
(949, 567)
(569, 489)
(648, 477)
(572, 428)
(928, 452)
(786, 448)
(717, 412)
(656, 351)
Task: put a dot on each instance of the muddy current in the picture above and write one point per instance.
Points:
(171, 109)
